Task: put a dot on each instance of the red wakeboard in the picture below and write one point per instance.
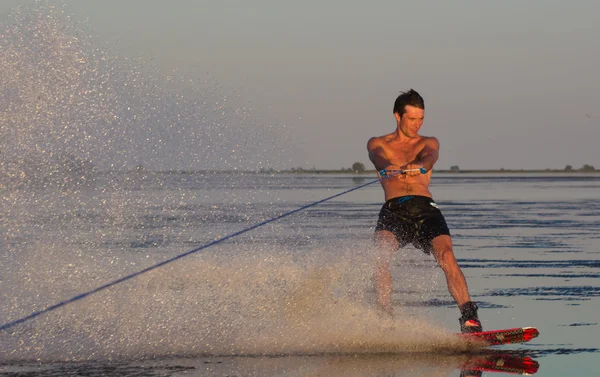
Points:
(507, 336)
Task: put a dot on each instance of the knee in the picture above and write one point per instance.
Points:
(444, 255)
(442, 246)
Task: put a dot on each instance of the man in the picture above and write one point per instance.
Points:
(409, 214)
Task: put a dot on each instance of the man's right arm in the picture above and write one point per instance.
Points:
(377, 153)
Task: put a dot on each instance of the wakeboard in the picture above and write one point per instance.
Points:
(498, 337)
(505, 363)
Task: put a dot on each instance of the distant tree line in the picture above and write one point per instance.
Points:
(585, 167)
(81, 166)
(569, 168)
(359, 167)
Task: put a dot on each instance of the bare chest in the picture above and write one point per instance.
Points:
(402, 154)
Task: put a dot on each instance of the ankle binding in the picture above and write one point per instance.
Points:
(468, 310)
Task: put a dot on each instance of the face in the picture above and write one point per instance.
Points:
(411, 121)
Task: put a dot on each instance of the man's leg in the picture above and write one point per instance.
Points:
(457, 285)
(386, 244)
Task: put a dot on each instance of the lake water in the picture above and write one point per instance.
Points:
(293, 296)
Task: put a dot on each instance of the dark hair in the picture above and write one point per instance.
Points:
(411, 98)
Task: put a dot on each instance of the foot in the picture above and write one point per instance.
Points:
(469, 321)
(470, 325)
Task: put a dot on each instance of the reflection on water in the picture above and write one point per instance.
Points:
(379, 365)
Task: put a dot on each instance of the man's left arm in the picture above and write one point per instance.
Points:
(427, 157)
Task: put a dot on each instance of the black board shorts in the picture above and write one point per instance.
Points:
(413, 219)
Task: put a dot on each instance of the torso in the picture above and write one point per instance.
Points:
(400, 153)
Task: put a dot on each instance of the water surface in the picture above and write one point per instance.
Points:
(294, 295)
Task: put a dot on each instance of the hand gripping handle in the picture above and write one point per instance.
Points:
(385, 173)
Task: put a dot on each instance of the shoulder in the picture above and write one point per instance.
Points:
(431, 142)
(376, 141)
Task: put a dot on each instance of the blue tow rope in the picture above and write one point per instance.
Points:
(160, 264)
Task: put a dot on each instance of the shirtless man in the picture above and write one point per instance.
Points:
(409, 214)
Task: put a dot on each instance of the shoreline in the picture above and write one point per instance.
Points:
(365, 172)
(473, 171)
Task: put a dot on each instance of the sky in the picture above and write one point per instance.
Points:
(507, 84)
